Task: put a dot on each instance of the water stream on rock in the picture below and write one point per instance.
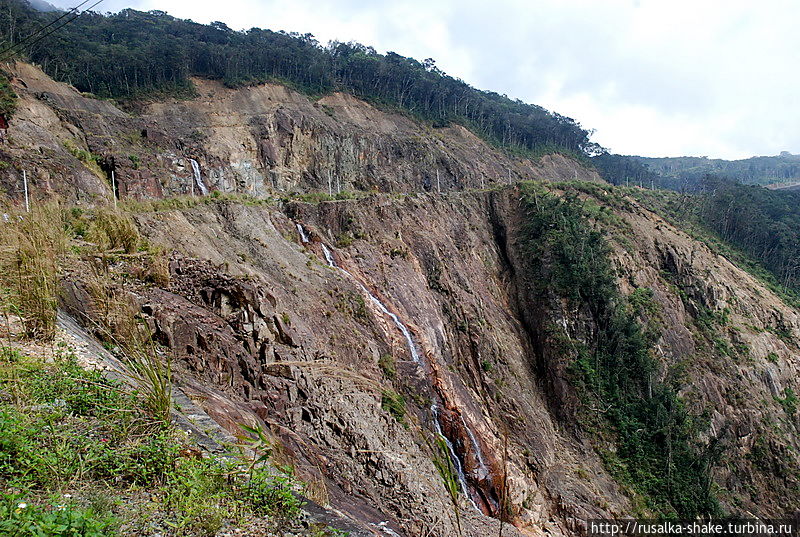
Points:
(415, 355)
(302, 232)
(462, 478)
(412, 348)
(197, 179)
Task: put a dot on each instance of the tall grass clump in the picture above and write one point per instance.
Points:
(117, 252)
(31, 246)
(113, 230)
(449, 474)
(119, 322)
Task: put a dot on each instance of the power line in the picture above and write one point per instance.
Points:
(51, 32)
(42, 29)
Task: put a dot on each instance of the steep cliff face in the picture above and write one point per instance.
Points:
(262, 328)
(359, 330)
(256, 140)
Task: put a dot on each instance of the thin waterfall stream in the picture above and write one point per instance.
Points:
(416, 357)
(198, 180)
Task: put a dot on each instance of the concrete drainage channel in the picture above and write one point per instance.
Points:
(204, 431)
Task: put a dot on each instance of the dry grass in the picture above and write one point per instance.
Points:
(334, 371)
(156, 267)
(113, 229)
(116, 315)
(31, 248)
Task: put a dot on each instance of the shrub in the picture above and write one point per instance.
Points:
(387, 364)
(8, 98)
(269, 494)
(394, 404)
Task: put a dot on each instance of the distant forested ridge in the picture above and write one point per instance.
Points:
(135, 54)
(764, 223)
(688, 172)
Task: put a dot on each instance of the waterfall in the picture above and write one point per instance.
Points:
(329, 258)
(375, 300)
(462, 478)
(303, 236)
(415, 355)
(197, 179)
(476, 447)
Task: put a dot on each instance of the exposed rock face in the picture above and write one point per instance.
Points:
(256, 140)
(263, 331)
(259, 322)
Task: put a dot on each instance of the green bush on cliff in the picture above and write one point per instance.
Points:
(658, 453)
(8, 98)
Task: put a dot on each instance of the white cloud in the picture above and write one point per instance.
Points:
(653, 77)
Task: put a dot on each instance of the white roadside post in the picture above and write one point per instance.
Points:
(114, 188)
(25, 186)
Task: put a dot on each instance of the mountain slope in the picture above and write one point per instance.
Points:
(133, 54)
(260, 325)
(378, 337)
(251, 140)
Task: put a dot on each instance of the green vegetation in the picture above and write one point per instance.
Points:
(51, 518)
(67, 434)
(687, 172)
(657, 449)
(449, 475)
(8, 98)
(765, 224)
(387, 364)
(87, 158)
(788, 402)
(757, 229)
(394, 404)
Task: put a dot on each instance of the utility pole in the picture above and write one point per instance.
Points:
(114, 188)
(25, 185)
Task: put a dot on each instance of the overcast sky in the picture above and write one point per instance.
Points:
(651, 77)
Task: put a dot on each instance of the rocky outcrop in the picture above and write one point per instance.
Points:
(257, 140)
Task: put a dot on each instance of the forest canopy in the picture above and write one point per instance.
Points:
(134, 54)
(763, 223)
